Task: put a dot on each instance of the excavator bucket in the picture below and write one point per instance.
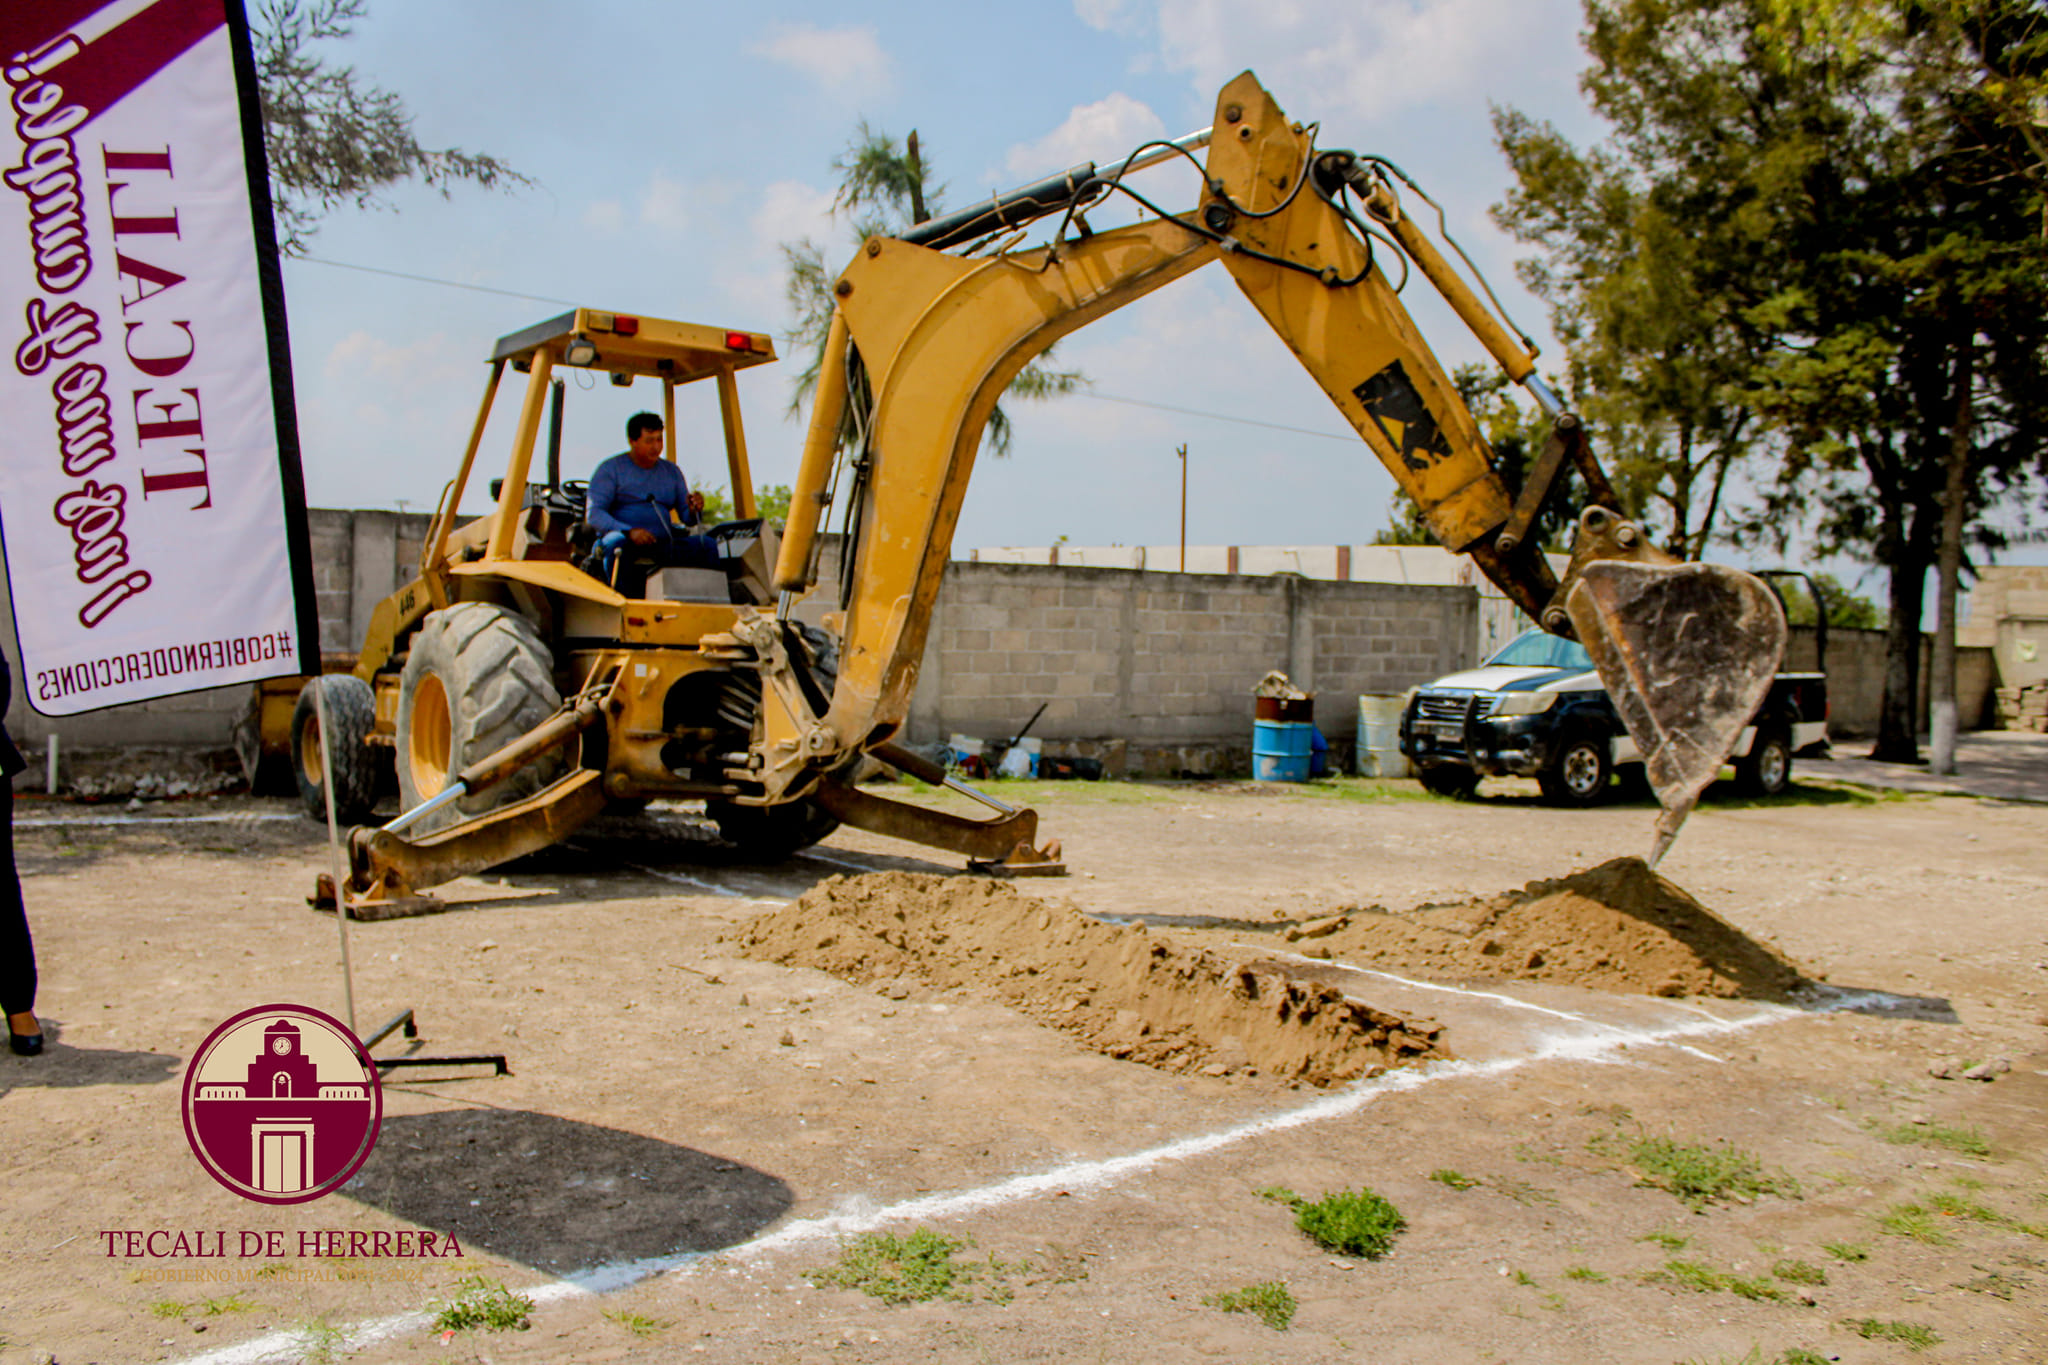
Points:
(1687, 652)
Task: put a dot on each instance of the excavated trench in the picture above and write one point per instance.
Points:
(1129, 992)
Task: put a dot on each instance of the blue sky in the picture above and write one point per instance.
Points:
(674, 146)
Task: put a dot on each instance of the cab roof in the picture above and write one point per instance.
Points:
(634, 344)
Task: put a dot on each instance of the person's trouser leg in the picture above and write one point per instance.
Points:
(17, 950)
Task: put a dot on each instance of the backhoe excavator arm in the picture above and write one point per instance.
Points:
(924, 342)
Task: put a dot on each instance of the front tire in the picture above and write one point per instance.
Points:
(1448, 779)
(351, 713)
(476, 678)
(1578, 775)
(1766, 770)
(771, 833)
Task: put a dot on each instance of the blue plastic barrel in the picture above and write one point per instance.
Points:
(1281, 750)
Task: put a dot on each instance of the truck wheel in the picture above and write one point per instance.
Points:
(1578, 775)
(351, 712)
(1766, 770)
(476, 678)
(770, 833)
(1448, 779)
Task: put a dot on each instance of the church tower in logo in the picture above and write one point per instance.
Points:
(282, 1104)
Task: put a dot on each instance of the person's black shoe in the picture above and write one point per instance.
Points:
(26, 1044)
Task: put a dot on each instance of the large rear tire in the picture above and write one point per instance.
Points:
(476, 678)
(351, 713)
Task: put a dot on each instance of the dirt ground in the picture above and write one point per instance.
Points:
(688, 1131)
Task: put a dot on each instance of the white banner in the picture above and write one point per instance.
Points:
(150, 501)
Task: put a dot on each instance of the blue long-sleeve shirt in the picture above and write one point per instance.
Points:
(625, 497)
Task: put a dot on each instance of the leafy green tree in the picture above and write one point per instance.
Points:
(1845, 609)
(770, 504)
(332, 139)
(884, 189)
(1851, 262)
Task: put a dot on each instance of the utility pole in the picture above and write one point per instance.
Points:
(1183, 454)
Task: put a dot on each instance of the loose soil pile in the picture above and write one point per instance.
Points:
(1118, 988)
(1617, 927)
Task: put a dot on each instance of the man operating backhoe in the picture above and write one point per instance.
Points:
(639, 498)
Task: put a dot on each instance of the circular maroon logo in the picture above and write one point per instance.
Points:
(282, 1104)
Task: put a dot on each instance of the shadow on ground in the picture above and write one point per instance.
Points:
(558, 1195)
(62, 1066)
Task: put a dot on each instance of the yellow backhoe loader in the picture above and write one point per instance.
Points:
(521, 693)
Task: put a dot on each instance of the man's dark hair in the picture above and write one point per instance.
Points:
(639, 422)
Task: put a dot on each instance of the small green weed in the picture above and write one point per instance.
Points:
(1968, 1141)
(1799, 1272)
(232, 1303)
(1704, 1279)
(897, 1270)
(1996, 1283)
(1800, 1356)
(1586, 1273)
(1454, 1179)
(639, 1324)
(320, 1342)
(1349, 1222)
(1696, 1173)
(1669, 1241)
(1846, 1251)
(1522, 1277)
(167, 1308)
(485, 1303)
(1910, 1220)
(1913, 1335)
(1955, 1206)
(1552, 1302)
(1269, 1301)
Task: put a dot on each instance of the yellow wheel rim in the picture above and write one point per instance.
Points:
(310, 762)
(433, 735)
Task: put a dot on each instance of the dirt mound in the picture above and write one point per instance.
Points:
(1118, 988)
(1616, 927)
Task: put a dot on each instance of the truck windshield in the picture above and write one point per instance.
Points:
(1540, 649)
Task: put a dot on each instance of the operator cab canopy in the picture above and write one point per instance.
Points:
(631, 345)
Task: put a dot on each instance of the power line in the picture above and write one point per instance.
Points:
(1085, 393)
(1214, 416)
(428, 279)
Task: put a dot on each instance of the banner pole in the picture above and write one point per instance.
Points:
(348, 975)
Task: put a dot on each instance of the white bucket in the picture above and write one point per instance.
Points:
(1379, 736)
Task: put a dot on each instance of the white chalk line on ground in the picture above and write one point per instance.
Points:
(685, 879)
(1072, 1178)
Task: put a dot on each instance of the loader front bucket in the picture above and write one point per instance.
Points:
(1687, 653)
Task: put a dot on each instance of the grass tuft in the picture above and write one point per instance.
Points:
(1669, 1241)
(1349, 1222)
(485, 1303)
(1698, 1174)
(1846, 1251)
(639, 1324)
(1915, 1336)
(1701, 1278)
(1269, 1301)
(1915, 1222)
(1799, 1272)
(1455, 1179)
(1586, 1273)
(897, 1270)
(1968, 1141)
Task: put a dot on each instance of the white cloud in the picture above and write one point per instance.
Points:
(1102, 132)
(605, 215)
(843, 61)
(1330, 58)
(791, 210)
(665, 204)
(1124, 17)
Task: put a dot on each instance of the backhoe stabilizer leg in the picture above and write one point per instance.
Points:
(386, 867)
(1005, 846)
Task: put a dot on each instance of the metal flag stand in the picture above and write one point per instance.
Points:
(404, 1018)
